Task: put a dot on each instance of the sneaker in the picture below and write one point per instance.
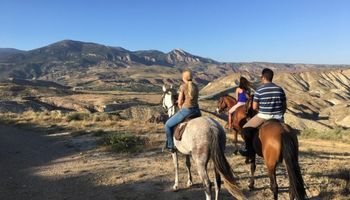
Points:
(170, 150)
(166, 149)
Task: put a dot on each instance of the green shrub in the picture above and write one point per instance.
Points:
(124, 142)
(76, 116)
(336, 134)
(102, 117)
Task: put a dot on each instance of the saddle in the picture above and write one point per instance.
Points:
(180, 128)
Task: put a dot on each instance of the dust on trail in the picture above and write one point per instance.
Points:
(35, 166)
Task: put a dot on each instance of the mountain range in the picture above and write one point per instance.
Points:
(75, 63)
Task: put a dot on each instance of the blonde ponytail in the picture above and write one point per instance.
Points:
(190, 89)
(187, 77)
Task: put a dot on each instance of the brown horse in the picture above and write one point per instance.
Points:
(275, 141)
(239, 117)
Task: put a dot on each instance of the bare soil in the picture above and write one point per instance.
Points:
(39, 166)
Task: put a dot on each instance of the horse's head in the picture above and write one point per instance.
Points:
(169, 98)
(221, 105)
(225, 102)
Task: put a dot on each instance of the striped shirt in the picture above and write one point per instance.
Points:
(270, 99)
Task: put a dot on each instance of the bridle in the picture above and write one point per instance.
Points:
(221, 101)
(163, 96)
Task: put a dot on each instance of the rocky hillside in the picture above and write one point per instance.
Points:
(74, 63)
(5, 52)
(316, 99)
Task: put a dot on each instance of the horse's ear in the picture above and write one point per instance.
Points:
(164, 88)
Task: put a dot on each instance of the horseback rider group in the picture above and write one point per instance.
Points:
(269, 101)
(265, 134)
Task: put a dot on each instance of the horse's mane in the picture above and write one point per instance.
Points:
(229, 96)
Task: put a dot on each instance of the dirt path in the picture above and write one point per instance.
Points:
(32, 168)
(35, 166)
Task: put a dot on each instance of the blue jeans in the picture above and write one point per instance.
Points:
(174, 120)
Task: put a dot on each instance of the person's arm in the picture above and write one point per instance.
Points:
(180, 100)
(255, 106)
(237, 91)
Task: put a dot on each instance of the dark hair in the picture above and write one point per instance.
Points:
(267, 73)
(244, 83)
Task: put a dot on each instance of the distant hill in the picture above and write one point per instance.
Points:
(5, 52)
(75, 63)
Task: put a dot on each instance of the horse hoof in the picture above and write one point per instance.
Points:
(189, 184)
(175, 188)
(251, 187)
(235, 152)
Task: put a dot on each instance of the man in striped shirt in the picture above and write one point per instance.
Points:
(270, 102)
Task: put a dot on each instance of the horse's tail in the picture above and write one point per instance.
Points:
(290, 156)
(222, 166)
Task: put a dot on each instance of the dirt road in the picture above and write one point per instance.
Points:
(36, 166)
(32, 167)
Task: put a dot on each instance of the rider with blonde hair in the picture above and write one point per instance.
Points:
(188, 104)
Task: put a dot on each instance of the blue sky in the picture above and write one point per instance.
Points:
(289, 31)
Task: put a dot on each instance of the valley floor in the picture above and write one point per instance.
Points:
(36, 166)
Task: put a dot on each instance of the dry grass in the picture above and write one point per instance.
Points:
(97, 124)
(324, 163)
(336, 134)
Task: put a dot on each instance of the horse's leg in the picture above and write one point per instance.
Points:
(202, 161)
(235, 141)
(188, 166)
(252, 171)
(273, 182)
(291, 193)
(176, 165)
(202, 171)
(217, 184)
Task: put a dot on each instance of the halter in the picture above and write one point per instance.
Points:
(222, 99)
(164, 93)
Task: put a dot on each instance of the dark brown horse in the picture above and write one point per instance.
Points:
(239, 117)
(275, 141)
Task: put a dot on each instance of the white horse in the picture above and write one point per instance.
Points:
(204, 139)
(168, 99)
